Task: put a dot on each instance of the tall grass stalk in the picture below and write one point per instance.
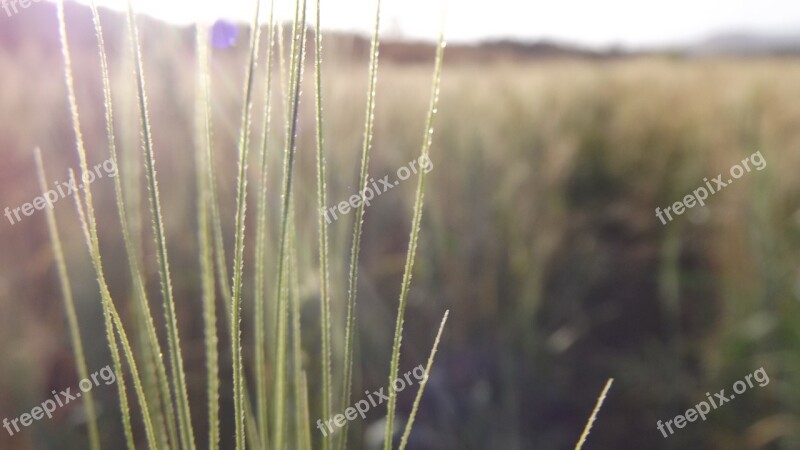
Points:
(69, 306)
(593, 417)
(238, 258)
(73, 105)
(177, 372)
(306, 419)
(113, 320)
(260, 344)
(204, 199)
(220, 262)
(301, 422)
(412, 244)
(347, 378)
(155, 352)
(418, 398)
(297, 63)
(322, 201)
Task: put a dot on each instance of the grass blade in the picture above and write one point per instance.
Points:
(418, 398)
(113, 320)
(69, 306)
(203, 129)
(297, 60)
(592, 418)
(301, 424)
(304, 414)
(412, 244)
(155, 351)
(177, 372)
(68, 75)
(261, 243)
(238, 258)
(347, 379)
(325, 306)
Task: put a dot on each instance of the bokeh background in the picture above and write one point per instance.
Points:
(538, 234)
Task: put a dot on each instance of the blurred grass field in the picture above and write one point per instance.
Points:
(539, 235)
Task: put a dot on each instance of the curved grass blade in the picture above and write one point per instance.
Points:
(62, 28)
(69, 306)
(113, 320)
(412, 245)
(155, 350)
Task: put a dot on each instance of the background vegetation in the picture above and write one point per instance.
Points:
(539, 235)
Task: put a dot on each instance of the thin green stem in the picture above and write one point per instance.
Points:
(88, 225)
(297, 344)
(261, 243)
(203, 129)
(412, 245)
(297, 60)
(423, 383)
(69, 306)
(325, 308)
(177, 372)
(75, 118)
(347, 379)
(306, 443)
(238, 258)
(135, 272)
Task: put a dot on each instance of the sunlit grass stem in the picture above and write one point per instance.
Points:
(325, 308)
(422, 384)
(177, 372)
(593, 417)
(352, 291)
(412, 243)
(238, 256)
(260, 344)
(155, 358)
(297, 63)
(204, 199)
(69, 306)
(113, 320)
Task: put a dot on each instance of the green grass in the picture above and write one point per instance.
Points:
(163, 401)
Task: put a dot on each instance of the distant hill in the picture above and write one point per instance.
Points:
(37, 25)
(747, 44)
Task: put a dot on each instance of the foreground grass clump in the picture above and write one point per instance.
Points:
(163, 402)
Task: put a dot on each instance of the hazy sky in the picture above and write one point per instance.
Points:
(591, 22)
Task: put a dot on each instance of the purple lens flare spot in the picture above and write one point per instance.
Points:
(224, 34)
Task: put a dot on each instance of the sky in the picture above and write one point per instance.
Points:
(631, 23)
